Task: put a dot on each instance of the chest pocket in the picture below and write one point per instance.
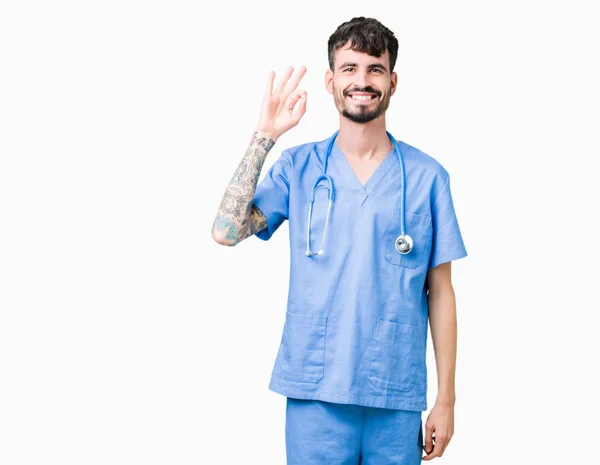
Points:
(418, 227)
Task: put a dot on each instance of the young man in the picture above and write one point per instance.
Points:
(370, 264)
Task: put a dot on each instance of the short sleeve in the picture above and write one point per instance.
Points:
(447, 242)
(272, 195)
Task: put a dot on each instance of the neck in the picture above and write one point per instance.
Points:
(364, 141)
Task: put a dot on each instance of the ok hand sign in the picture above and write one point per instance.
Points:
(277, 114)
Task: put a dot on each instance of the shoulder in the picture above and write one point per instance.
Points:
(307, 148)
(425, 167)
(299, 155)
(424, 162)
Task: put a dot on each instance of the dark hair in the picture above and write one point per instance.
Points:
(367, 35)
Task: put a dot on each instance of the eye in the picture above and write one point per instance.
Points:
(377, 69)
(346, 69)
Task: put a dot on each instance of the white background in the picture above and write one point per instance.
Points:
(128, 336)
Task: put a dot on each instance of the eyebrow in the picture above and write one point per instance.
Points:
(374, 65)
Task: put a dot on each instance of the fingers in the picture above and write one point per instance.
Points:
(284, 80)
(441, 442)
(292, 101)
(285, 107)
(291, 87)
(302, 106)
(269, 86)
(281, 87)
(428, 438)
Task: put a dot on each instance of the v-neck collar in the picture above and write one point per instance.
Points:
(350, 179)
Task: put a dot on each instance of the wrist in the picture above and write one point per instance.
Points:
(446, 399)
(265, 134)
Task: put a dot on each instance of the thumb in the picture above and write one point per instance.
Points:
(300, 107)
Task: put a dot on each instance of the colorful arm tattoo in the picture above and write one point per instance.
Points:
(237, 217)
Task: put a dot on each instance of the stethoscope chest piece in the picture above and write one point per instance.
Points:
(404, 244)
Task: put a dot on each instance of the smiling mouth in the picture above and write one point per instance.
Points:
(362, 98)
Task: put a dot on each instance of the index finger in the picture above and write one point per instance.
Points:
(436, 452)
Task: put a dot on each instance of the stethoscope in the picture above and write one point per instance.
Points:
(403, 244)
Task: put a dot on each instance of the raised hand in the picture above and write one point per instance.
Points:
(282, 110)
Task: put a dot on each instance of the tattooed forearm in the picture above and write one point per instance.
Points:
(237, 218)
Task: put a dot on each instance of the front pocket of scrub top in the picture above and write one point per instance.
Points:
(418, 227)
(303, 347)
(394, 356)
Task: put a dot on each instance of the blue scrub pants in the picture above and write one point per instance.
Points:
(325, 433)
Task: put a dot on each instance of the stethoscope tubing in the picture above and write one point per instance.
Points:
(330, 195)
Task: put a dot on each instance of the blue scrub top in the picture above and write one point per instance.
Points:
(356, 321)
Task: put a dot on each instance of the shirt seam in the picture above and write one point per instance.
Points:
(441, 191)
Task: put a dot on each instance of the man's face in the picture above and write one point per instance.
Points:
(361, 84)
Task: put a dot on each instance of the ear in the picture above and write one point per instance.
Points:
(329, 81)
(393, 83)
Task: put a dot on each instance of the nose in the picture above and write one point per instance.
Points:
(362, 78)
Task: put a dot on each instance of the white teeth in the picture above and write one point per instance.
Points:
(362, 97)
